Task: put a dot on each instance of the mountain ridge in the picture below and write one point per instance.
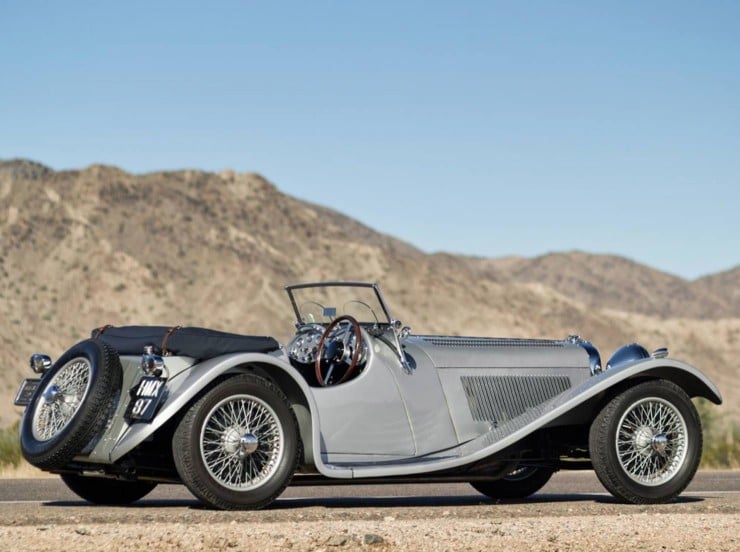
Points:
(83, 248)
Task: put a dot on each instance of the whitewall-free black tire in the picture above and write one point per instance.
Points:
(71, 405)
(238, 445)
(112, 492)
(646, 443)
(519, 483)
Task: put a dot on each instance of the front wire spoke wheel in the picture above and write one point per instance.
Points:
(651, 441)
(645, 443)
(242, 442)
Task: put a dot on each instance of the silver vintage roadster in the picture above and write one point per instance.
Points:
(356, 397)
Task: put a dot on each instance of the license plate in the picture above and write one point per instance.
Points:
(145, 398)
(26, 391)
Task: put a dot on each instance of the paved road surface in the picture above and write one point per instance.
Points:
(30, 501)
(572, 513)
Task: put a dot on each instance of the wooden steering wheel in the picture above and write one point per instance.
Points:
(336, 348)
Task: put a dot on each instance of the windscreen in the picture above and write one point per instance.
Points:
(322, 303)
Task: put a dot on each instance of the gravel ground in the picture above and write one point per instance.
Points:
(642, 531)
(42, 515)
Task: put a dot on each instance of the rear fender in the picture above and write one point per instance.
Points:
(185, 386)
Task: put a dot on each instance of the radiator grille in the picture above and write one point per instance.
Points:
(498, 399)
(485, 342)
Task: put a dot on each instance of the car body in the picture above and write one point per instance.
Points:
(355, 396)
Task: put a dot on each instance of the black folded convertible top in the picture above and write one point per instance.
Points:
(200, 343)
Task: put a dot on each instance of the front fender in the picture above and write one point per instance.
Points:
(183, 387)
(690, 379)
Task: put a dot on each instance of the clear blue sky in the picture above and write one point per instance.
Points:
(486, 128)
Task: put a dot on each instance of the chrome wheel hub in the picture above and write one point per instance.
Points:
(53, 394)
(659, 443)
(242, 442)
(61, 399)
(231, 440)
(249, 443)
(651, 441)
(643, 439)
(241, 445)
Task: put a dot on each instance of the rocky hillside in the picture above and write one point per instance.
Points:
(607, 281)
(79, 249)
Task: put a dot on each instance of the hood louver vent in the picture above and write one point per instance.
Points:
(498, 399)
(486, 342)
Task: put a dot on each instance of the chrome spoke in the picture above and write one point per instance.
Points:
(241, 442)
(651, 441)
(62, 398)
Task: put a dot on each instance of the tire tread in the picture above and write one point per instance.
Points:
(185, 451)
(88, 421)
(607, 468)
(111, 492)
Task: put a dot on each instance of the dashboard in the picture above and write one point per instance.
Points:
(305, 344)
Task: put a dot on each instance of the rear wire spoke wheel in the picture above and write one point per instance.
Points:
(646, 443)
(242, 442)
(238, 446)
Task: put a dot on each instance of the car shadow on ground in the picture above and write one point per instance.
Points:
(144, 503)
(338, 502)
(443, 501)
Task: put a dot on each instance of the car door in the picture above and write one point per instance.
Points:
(365, 419)
(424, 401)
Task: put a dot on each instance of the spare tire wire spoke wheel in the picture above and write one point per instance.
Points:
(72, 405)
(61, 399)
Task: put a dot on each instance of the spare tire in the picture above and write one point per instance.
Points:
(71, 405)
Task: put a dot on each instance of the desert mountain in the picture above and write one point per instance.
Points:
(607, 281)
(725, 285)
(83, 248)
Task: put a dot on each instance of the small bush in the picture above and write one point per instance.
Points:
(723, 451)
(721, 438)
(10, 448)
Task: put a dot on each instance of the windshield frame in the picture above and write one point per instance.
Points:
(374, 286)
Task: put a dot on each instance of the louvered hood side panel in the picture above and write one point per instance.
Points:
(498, 399)
(467, 352)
